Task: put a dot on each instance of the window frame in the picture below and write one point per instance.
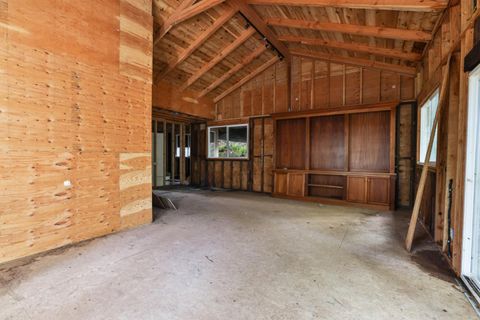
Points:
(247, 157)
(420, 161)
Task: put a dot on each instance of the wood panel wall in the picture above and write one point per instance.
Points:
(314, 84)
(453, 35)
(252, 174)
(75, 114)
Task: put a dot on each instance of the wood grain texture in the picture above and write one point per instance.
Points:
(327, 143)
(290, 144)
(75, 111)
(370, 142)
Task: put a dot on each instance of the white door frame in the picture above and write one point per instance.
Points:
(472, 150)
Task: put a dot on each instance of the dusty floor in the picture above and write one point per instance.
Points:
(234, 255)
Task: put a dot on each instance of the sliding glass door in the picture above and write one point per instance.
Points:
(471, 229)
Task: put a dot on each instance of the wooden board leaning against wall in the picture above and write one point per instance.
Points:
(444, 218)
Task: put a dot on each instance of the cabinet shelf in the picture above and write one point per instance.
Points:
(324, 186)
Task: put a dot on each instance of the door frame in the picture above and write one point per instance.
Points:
(472, 149)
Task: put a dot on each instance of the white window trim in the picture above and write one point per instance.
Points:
(421, 161)
(228, 140)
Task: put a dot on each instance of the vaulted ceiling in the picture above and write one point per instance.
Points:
(213, 46)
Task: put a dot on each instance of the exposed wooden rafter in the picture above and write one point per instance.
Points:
(361, 30)
(356, 62)
(353, 47)
(226, 16)
(258, 23)
(226, 51)
(168, 24)
(247, 60)
(184, 12)
(197, 8)
(252, 75)
(401, 5)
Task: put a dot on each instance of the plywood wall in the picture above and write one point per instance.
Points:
(314, 84)
(75, 115)
(454, 35)
(169, 97)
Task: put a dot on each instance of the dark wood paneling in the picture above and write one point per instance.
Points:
(356, 189)
(378, 190)
(296, 184)
(290, 144)
(327, 143)
(281, 183)
(370, 141)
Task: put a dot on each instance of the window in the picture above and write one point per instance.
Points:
(228, 141)
(427, 116)
(187, 145)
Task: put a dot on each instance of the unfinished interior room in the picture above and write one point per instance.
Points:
(239, 159)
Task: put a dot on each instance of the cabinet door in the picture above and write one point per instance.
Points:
(378, 190)
(296, 184)
(356, 189)
(281, 183)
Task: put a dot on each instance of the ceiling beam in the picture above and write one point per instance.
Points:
(356, 62)
(353, 47)
(224, 18)
(360, 30)
(252, 75)
(400, 5)
(168, 24)
(258, 23)
(247, 60)
(196, 9)
(244, 36)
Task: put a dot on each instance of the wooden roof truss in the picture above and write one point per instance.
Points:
(215, 46)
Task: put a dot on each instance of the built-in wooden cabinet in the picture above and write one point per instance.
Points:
(337, 155)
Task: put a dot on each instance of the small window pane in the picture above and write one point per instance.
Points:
(228, 142)
(238, 142)
(427, 117)
(218, 143)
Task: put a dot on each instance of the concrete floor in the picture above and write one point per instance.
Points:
(234, 255)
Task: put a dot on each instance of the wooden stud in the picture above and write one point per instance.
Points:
(423, 177)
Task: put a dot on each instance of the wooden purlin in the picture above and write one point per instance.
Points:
(360, 30)
(396, 5)
(356, 61)
(352, 47)
(423, 178)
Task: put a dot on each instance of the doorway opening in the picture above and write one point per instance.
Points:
(471, 223)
